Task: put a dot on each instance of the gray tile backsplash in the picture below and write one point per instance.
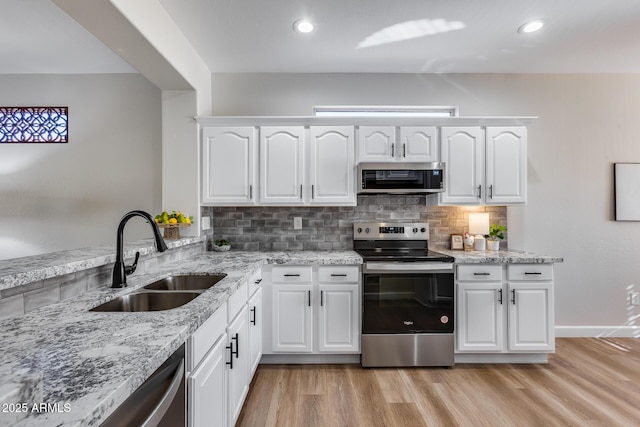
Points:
(325, 228)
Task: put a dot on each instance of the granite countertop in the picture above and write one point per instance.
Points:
(20, 271)
(87, 363)
(510, 256)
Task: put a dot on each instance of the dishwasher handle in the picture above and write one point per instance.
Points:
(161, 408)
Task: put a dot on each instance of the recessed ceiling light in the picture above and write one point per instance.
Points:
(531, 26)
(303, 26)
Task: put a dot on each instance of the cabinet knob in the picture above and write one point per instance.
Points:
(422, 230)
(415, 230)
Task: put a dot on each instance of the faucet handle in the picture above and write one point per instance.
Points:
(129, 269)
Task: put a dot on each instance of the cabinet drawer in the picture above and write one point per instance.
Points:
(480, 272)
(237, 301)
(206, 335)
(339, 274)
(530, 272)
(291, 274)
(254, 282)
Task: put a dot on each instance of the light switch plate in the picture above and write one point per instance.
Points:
(206, 223)
(297, 222)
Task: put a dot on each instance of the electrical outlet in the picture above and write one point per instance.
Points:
(297, 222)
(634, 298)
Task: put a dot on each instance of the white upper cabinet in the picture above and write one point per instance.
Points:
(376, 143)
(228, 166)
(484, 167)
(506, 165)
(332, 167)
(463, 156)
(418, 144)
(380, 144)
(281, 164)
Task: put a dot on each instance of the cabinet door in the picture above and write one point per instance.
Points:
(291, 316)
(418, 144)
(339, 319)
(376, 143)
(531, 317)
(463, 155)
(506, 176)
(238, 364)
(255, 331)
(228, 165)
(480, 316)
(207, 391)
(332, 174)
(281, 164)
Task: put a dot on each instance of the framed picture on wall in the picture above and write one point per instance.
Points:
(627, 191)
(456, 242)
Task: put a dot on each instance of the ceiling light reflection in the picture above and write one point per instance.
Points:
(410, 30)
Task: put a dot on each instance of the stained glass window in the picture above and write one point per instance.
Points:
(34, 124)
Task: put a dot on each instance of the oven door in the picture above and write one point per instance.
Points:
(407, 298)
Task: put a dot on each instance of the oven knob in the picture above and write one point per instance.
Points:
(359, 230)
(366, 230)
(444, 319)
(422, 230)
(415, 230)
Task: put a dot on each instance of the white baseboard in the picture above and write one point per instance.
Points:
(304, 359)
(597, 331)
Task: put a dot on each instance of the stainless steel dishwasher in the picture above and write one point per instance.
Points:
(159, 401)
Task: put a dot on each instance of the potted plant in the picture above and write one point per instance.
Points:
(221, 245)
(496, 233)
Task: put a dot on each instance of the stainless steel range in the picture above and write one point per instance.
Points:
(408, 306)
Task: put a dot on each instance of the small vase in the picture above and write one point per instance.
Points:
(493, 245)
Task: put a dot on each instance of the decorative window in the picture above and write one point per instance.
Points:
(34, 124)
(384, 111)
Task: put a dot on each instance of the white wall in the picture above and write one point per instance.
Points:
(586, 123)
(66, 196)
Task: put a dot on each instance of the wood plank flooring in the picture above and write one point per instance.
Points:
(587, 382)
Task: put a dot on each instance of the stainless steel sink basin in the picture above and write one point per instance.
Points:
(147, 301)
(186, 283)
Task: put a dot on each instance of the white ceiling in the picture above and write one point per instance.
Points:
(580, 36)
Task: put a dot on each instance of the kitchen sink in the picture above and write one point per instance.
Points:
(148, 301)
(186, 283)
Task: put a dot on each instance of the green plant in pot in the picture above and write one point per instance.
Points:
(496, 233)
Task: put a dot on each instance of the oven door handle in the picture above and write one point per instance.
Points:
(407, 267)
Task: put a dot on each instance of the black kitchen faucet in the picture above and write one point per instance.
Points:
(121, 271)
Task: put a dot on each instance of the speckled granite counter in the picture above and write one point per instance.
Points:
(499, 257)
(88, 363)
(19, 271)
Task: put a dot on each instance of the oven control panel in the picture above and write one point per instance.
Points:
(391, 231)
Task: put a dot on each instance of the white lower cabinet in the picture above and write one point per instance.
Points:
(222, 356)
(292, 325)
(207, 389)
(338, 326)
(505, 316)
(255, 331)
(313, 310)
(237, 363)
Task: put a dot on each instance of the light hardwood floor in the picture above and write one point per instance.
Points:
(587, 382)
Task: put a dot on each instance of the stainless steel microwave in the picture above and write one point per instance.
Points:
(400, 178)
